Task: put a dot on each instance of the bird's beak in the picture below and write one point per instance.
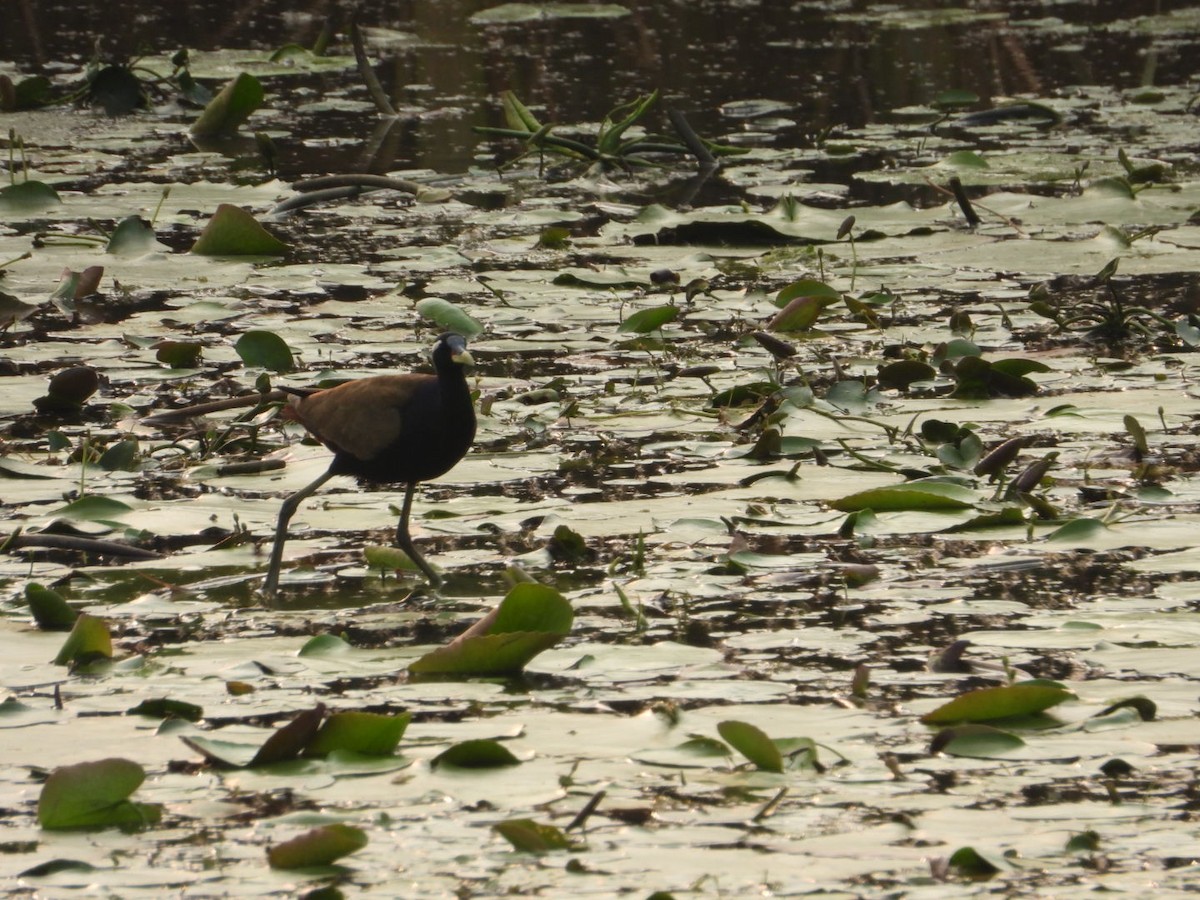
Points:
(460, 354)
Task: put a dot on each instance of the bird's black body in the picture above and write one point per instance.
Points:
(430, 442)
(390, 429)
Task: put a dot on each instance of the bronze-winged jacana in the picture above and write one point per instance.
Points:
(389, 429)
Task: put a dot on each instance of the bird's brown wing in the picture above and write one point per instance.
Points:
(360, 417)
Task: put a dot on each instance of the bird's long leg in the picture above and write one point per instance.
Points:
(286, 511)
(404, 541)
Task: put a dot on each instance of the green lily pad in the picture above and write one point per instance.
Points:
(50, 611)
(94, 508)
(230, 107)
(645, 321)
(265, 349)
(446, 315)
(529, 836)
(925, 495)
(475, 754)
(165, 708)
(986, 704)
(133, 236)
(530, 619)
(321, 846)
(95, 795)
(752, 743)
(364, 733)
(232, 231)
(88, 641)
(28, 197)
(975, 741)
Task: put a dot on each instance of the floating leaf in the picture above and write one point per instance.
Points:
(699, 751)
(446, 315)
(969, 862)
(28, 197)
(178, 354)
(1003, 702)
(95, 795)
(354, 731)
(965, 159)
(1084, 842)
(752, 743)
(13, 310)
(226, 754)
(955, 97)
(922, 495)
(976, 741)
(88, 641)
(806, 287)
(491, 654)
(50, 611)
(232, 231)
(530, 606)
(290, 741)
(94, 508)
(800, 314)
(646, 320)
(529, 836)
(388, 558)
(1081, 529)
(164, 708)
(133, 236)
(120, 457)
(901, 374)
(531, 618)
(320, 847)
(265, 349)
(475, 754)
(324, 645)
(230, 108)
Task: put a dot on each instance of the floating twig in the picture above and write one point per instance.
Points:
(170, 416)
(83, 545)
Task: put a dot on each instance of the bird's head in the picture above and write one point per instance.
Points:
(452, 348)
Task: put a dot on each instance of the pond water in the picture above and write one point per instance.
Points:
(809, 67)
(871, 532)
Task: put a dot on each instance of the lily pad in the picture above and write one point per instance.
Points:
(95, 795)
(530, 619)
(449, 317)
(232, 231)
(476, 754)
(529, 836)
(230, 107)
(924, 495)
(987, 704)
(265, 349)
(321, 846)
(88, 641)
(753, 744)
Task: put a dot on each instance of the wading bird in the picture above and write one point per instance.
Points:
(389, 429)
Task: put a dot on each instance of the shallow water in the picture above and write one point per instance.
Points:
(824, 65)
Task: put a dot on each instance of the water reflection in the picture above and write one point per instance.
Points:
(842, 63)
